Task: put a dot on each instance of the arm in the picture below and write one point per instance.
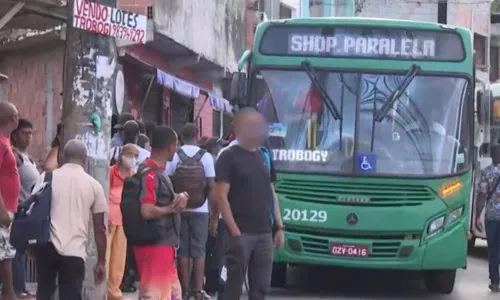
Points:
(482, 193)
(222, 185)
(209, 166)
(149, 210)
(277, 213)
(99, 208)
(221, 191)
(4, 216)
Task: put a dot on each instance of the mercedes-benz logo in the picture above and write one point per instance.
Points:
(352, 219)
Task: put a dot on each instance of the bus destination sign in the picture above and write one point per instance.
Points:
(363, 42)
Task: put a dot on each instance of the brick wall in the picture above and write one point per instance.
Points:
(28, 87)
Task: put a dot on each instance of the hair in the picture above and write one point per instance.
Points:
(23, 124)
(130, 132)
(142, 127)
(142, 140)
(202, 141)
(211, 145)
(162, 137)
(74, 150)
(7, 111)
(242, 113)
(189, 132)
(149, 129)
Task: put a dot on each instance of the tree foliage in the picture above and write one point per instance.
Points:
(495, 6)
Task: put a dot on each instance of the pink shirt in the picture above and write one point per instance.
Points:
(116, 182)
(10, 184)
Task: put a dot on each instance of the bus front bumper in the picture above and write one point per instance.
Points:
(444, 251)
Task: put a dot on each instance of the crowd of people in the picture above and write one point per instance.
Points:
(207, 210)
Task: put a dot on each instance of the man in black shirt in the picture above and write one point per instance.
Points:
(245, 195)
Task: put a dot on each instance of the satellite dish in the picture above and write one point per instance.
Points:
(119, 91)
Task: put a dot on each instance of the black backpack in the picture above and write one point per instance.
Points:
(138, 230)
(31, 226)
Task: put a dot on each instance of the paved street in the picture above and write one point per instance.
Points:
(359, 285)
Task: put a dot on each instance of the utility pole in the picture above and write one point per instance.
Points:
(89, 66)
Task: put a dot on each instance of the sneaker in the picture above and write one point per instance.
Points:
(200, 295)
(494, 288)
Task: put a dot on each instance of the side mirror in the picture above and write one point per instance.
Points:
(238, 89)
(480, 107)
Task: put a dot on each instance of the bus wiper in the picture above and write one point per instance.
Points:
(327, 100)
(398, 92)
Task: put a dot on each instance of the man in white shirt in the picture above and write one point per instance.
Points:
(194, 222)
(234, 142)
(76, 197)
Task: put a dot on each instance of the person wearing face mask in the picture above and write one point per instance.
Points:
(117, 242)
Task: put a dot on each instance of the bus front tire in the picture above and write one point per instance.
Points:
(440, 282)
(278, 277)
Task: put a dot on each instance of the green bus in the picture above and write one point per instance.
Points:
(371, 133)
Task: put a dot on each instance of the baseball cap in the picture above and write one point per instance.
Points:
(122, 119)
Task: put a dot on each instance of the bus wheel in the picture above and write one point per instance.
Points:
(278, 278)
(440, 282)
(470, 244)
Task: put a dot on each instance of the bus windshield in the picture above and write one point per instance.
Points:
(425, 132)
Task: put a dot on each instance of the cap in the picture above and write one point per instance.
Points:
(122, 119)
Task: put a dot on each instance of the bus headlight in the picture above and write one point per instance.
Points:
(455, 214)
(435, 225)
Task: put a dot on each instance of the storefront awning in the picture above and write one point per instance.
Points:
(192, 91)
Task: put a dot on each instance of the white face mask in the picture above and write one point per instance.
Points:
(129, 162)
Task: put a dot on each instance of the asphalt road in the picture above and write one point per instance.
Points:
(315, 284)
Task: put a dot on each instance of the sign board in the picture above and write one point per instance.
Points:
(109, 21)
(363, 42)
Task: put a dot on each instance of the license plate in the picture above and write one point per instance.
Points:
(349, 250)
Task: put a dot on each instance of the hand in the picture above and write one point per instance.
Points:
(479, 224)
(5, 219)
(279, 238)
(180, 202)
(99, 273)
(212, 228)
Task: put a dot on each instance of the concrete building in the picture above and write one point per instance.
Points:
(173, 78)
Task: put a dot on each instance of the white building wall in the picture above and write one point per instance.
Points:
(214, 29)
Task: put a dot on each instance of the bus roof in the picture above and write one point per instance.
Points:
(265, 59)
(365, 21)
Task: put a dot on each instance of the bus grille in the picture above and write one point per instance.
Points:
(331, 192)
(381, 245)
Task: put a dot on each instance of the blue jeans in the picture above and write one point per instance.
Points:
(18, 272)
(493, 238)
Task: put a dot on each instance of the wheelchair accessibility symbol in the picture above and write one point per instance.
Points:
(366, 162)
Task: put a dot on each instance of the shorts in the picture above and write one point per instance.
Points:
(193, 235)
(6, 249)
(157, 272)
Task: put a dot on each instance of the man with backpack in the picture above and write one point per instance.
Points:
(488, 198)
(192, 170)
(246, 198)
(150, 210)
(75, 198)
(21, 139)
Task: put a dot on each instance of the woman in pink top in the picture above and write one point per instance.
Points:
(117, 242)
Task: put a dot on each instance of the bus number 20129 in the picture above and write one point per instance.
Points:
(305, 215)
